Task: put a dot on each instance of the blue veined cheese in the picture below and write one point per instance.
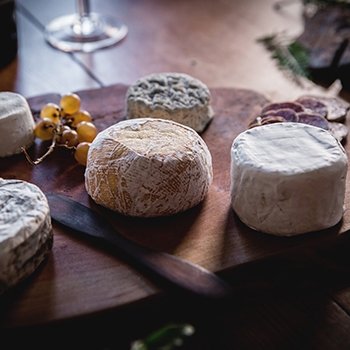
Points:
(16, 124)
(25, 231)
(148, 167)
(288, 178)
(173, 96)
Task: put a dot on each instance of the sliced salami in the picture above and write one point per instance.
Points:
(254, 123)
(266, 120)
(295, 106)
(313, 105)
(322, 112)
(338, 130)
(337, 109)
(287, 113)
(272, 119)
(313, 119)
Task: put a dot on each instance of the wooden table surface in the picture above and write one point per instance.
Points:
(214, 41)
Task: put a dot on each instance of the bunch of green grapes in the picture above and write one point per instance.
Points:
(67, 125)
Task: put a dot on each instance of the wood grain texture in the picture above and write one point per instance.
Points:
(177, 274)
(39, 67)
(104, 302)
(215, 41)
(81, 278)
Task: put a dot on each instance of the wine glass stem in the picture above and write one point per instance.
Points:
(84, 25)
(83, 8)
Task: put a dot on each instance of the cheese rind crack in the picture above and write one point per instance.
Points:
(148, 167)
(25, 231)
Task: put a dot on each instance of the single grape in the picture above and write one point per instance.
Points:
(81, 152)
(51, 111)
(80, 116)
(86, 131)
(69, 138)
(63, 128)
(44, 129)
(70, 103)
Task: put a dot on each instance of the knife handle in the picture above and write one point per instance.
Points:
(180, 273)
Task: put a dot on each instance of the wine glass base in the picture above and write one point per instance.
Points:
(65, 33)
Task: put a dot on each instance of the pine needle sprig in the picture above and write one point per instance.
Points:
(291, 57)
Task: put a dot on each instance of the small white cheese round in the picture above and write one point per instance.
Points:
(174, 96)
(148, 167)
(288, 178)
(16, 124)
(25, 231)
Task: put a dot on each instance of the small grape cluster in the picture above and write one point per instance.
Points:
(66, 125)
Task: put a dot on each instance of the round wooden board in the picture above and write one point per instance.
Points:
(80, 278)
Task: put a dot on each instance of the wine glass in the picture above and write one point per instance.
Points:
(84, 31)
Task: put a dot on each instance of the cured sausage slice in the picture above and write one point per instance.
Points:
(313, 119)
(337, 109)
(287, 113)
(269, 119)
(272, 119)
(313, 105)
(254, 123)
(322, 112)
(338, 130)
(297, 107)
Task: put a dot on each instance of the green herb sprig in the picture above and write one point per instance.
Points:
(168, 337)
(290, 56)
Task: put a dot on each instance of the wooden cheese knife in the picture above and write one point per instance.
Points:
(177, 272)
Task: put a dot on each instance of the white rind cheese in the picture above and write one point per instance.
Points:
(174, 96)
(16, 124)
(25, 231)
(148, 167)
(288, 178)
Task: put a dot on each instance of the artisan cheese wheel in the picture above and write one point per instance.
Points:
(288, 178)
(174, 96)
(148, 167)
(25, 231)
(16, 124)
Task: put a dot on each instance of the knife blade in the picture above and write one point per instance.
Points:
(177, 272)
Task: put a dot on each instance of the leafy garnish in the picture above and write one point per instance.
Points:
(168, 337)
(291, 56)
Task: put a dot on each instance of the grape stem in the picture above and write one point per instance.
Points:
(39, 160)
(58, 129)
(49, 151)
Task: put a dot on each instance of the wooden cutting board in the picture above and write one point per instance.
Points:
(80, 278)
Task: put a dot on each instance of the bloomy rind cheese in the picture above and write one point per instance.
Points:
(16, 124)
(173, 96)
(25, 231)
(148, 167)
(288, 178)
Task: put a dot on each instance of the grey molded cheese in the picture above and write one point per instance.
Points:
(288, 178)
(16, 124)
(25, 231)
(148, 167)
(174, 96)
